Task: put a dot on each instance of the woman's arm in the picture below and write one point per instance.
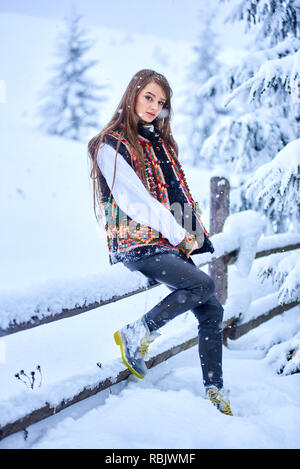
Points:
(133, 198)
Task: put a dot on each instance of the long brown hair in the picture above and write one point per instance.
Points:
(126, 118)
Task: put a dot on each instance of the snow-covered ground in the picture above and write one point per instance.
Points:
(168, 409)
(51, 244)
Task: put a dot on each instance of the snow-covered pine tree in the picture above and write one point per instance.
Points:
(264, 98)
(71, 102)
(260, 143)
(202, 112)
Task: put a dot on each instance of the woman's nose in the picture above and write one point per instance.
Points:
(154, 106)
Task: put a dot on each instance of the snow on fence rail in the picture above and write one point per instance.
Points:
(30, 309)
(238, 240)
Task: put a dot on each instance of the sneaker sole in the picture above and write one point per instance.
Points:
(119, 341)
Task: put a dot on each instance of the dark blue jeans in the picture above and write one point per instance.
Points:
(192, 290)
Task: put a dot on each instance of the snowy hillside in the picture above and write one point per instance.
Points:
(46, 205)
(35, 42)
(49, 239)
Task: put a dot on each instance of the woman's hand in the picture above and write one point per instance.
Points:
(188, 245)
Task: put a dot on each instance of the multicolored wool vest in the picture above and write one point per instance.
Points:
(128, 240)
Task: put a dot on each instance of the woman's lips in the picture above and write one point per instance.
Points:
(150, 114)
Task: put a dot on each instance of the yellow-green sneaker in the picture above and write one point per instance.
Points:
(219, 398)
(134, 340)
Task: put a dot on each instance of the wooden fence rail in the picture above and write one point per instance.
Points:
(226, 259)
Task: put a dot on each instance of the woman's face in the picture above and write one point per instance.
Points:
(150, 102)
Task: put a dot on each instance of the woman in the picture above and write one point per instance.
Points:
(153, 224)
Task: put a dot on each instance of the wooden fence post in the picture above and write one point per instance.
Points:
(219, 211)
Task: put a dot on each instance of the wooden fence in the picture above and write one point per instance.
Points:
(233, 327)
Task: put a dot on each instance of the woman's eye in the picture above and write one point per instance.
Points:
(149, 98)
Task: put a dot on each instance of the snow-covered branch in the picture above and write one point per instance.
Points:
(248, 66)
(283, 71)
(277, 183)
(273, 19)
(284, 270)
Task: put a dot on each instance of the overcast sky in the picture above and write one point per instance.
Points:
(177, 19)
